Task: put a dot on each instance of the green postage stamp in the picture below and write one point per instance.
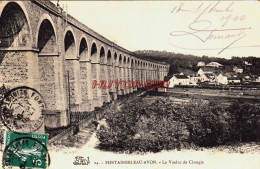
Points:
(25, 150)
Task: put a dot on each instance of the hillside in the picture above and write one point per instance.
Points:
(179, 61)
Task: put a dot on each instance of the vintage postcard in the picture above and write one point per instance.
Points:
(129, 84)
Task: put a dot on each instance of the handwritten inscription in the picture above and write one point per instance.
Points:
(229, 26)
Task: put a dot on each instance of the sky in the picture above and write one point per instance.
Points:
(211, 28)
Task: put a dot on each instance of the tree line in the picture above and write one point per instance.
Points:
(179, 61)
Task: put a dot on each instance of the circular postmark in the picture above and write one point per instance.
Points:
(22, 110)
(25, 152)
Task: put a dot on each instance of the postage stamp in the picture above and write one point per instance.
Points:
(22, 110)
(25, 150)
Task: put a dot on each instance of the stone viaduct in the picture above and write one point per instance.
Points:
(44, 48)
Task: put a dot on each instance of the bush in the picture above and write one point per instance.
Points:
(207, 123)
(142, 128)
(160, 125)
(245, 121)
(121, 128)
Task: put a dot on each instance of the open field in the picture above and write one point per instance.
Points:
(245, 93)
(179, 95)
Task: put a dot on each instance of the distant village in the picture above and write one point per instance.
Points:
(213, 73)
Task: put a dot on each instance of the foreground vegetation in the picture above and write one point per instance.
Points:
(161, 125)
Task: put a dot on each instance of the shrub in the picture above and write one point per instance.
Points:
(142, 128)
(207, 123)
(143, 125)
(121, 128)
(245, 121)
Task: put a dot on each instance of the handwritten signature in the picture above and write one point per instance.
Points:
(201, 24)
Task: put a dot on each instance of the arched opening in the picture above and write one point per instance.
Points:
(102, 55)
(132, 70)
(46, 37)
(83, 49)
(125, 72)
(109, 58)
(46, 45)
(141, 70)
(46, 61)
(70, 71)
(138, 70)
(115, 62)
(103, 74)
(95, 72)
(121, 72)
(124, 64)
(115, 59)
(15, 34)
(93, 49)
(145, 71)
(93, 54)
(110, 71)
(14, 27)
(69, 44)
(128, 62)
(84, 76)
(120, 61)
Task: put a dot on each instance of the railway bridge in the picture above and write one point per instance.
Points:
(44, 48)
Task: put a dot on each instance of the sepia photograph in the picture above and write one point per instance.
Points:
(129, 84)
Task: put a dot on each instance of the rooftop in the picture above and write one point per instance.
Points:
(181, 77)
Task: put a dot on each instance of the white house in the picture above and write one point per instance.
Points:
(220, 79)
(214, 64)
(179, 80)
(206, 70)
(201, 64)
(198, 79)
(238, 69)
(194, 79)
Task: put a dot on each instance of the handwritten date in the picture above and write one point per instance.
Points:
(227, 28)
